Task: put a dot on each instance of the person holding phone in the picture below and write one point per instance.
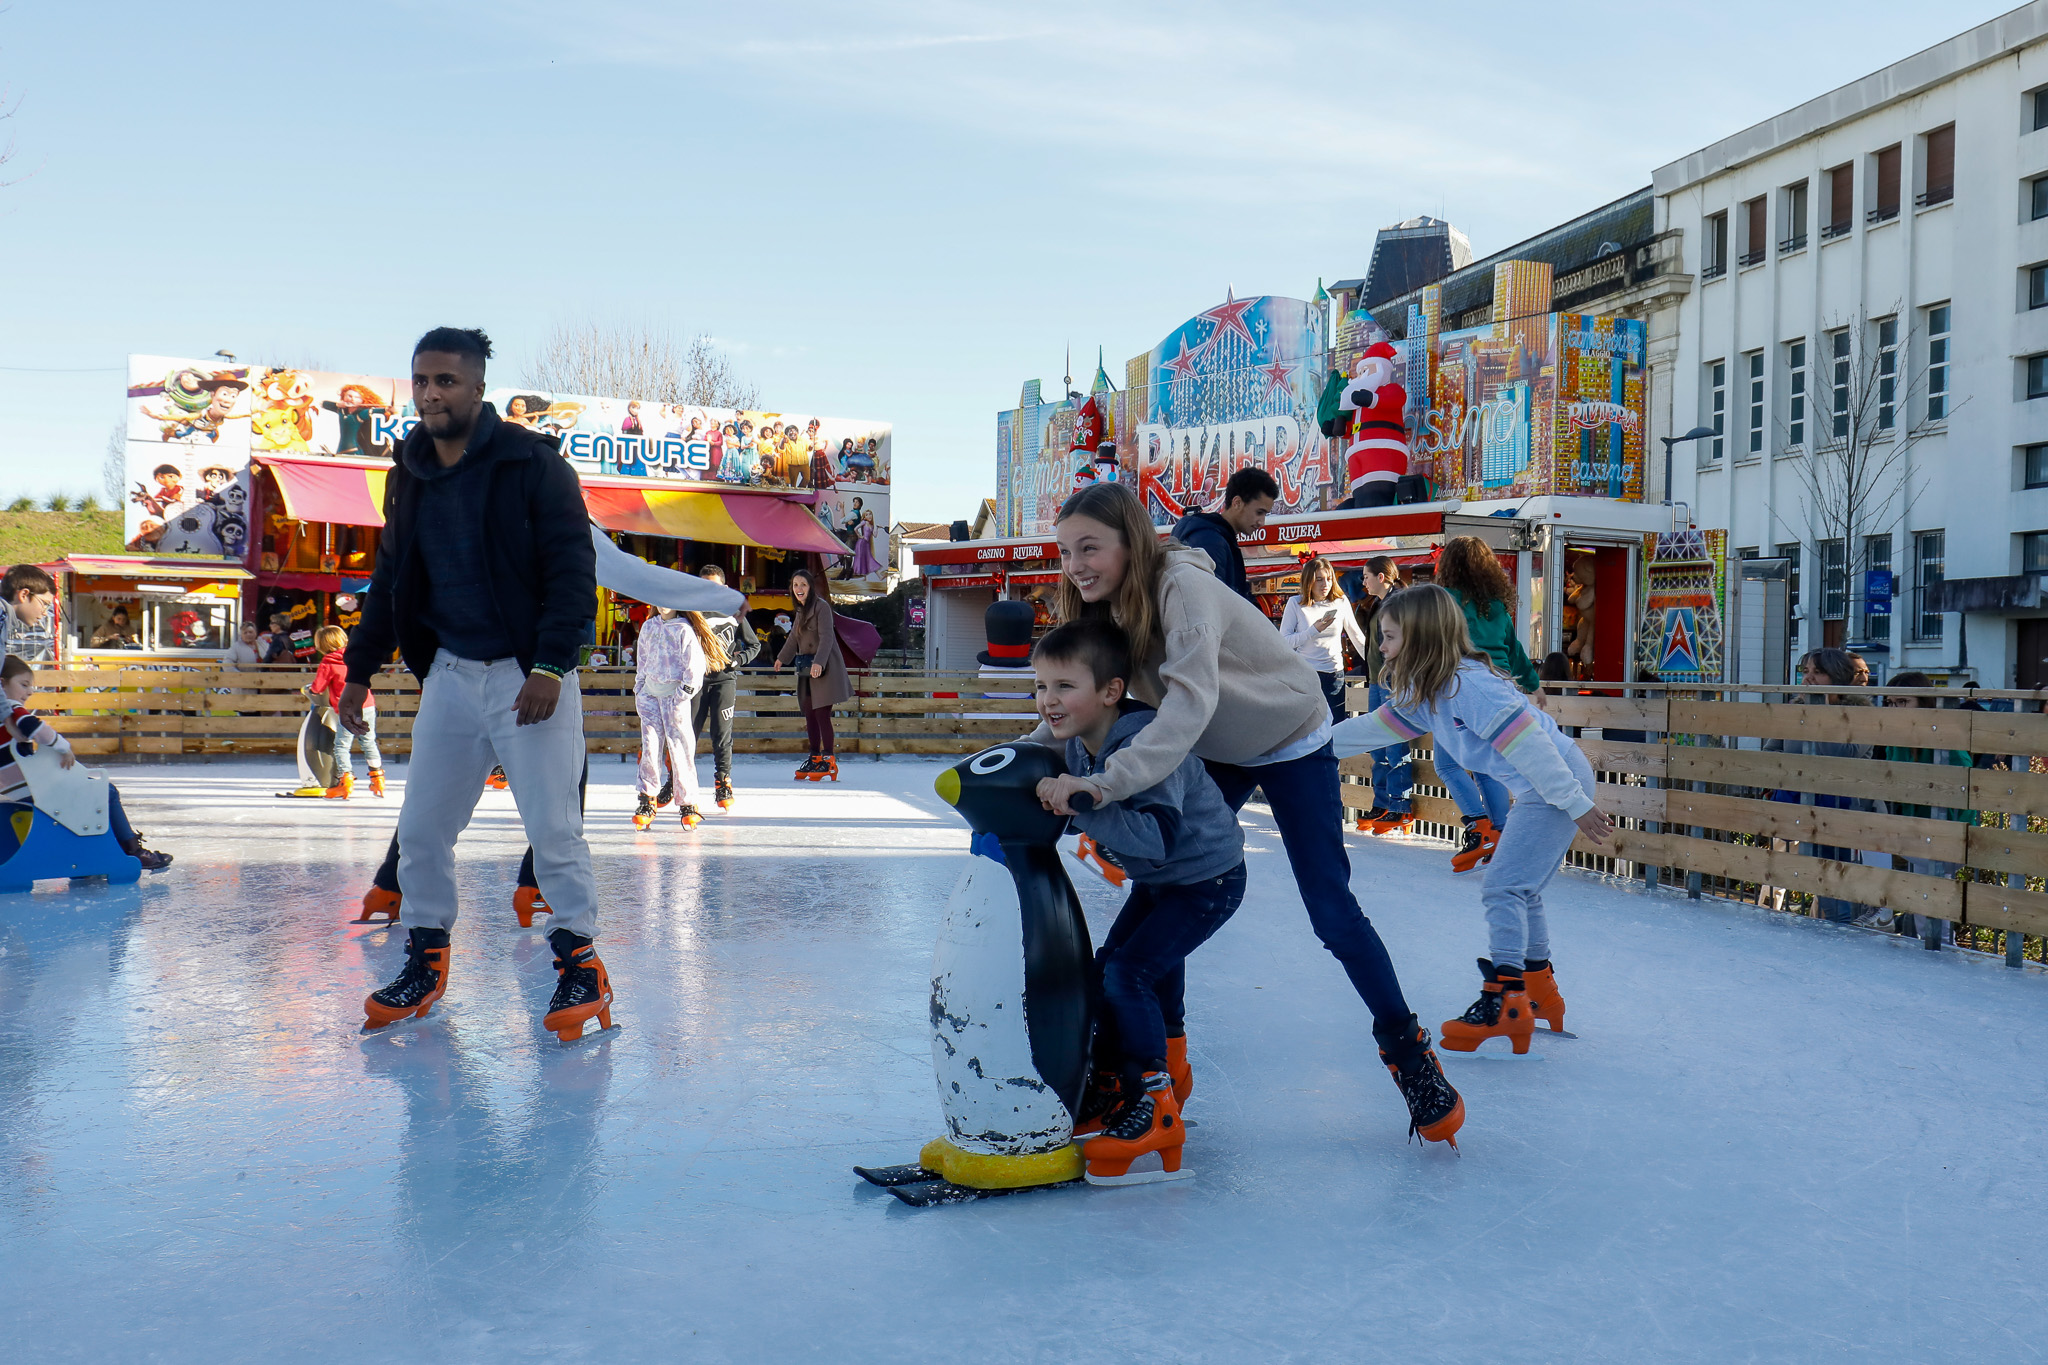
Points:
(1315, 625)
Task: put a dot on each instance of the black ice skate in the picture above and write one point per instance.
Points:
(1435, 1109)
(583, 990)
(417, 988)
(643, 814)
(666, 794)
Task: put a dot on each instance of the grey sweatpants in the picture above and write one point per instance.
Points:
(465, 724)
(1532, 844)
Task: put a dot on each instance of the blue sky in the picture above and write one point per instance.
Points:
(893, 210)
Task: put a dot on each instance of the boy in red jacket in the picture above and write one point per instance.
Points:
(332, 676)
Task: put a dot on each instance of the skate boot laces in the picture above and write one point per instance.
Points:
(415, 983)
(578, 984)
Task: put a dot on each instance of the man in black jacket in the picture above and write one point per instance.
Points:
(1247, 501)
(715, 699)
(486, 585)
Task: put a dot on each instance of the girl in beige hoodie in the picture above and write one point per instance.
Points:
(1230, 691)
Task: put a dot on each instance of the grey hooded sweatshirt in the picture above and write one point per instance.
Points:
(1172, 833)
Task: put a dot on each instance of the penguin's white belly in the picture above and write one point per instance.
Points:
(993, 1097)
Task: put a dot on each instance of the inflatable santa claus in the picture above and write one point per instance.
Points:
(1377, 458)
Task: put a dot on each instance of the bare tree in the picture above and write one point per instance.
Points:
(114, 466)
(628, 361)
(1861, 421)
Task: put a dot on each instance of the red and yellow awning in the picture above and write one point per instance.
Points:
(763, 521)
(334, 491)
(348, 494)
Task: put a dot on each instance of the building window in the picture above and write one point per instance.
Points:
(1748, 552)
(1938, 167)
(1877, 558)
(1834, 581)
(1795, 394)
(1838, 381)
(1753, 374)
(1792, 219)
(1789, 552)
(1884, 200)
(1841, 202)
(2034, 552)
(1887, 373)
(2038, 197)
(2039, 102)
(1714, 249)
(2034, 466)
(1754, 233)
(1937, 363)
(2037, 286)
(2037, 376)
(1716, 415)
(1928, 559)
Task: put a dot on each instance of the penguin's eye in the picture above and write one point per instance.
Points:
(995, 760)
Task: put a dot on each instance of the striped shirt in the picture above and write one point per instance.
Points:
(23, 726)
(1484, 724)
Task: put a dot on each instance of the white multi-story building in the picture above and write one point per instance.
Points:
(1867, 336)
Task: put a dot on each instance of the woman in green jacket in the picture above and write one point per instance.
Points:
(1468, 569)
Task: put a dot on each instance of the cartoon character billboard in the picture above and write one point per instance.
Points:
(1234, 386)
(1534, 402)
(193, 426)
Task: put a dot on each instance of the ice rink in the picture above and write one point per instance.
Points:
(1775, 1139)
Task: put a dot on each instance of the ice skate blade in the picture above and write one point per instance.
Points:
(889, 1176)
(933, 1193)
(568, 1039)
(1504, 1052)
(1548, 1032)
(1140, 1177)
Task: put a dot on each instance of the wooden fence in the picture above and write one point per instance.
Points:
(166, 710)
(1692, 786)
(1690, 783)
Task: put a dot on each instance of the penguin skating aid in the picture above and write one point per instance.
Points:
(1010, 1011)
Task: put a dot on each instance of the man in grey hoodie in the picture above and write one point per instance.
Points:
(1180, 845)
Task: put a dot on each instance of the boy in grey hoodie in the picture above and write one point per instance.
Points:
(1180, 845)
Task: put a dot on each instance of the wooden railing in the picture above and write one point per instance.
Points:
(1694, 797)
(167, 710)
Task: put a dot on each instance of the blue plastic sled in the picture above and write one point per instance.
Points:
(33, 846)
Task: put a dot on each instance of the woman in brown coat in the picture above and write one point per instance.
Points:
(821, 682)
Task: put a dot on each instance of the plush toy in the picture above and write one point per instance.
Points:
(1377, 457)
(1087, 436)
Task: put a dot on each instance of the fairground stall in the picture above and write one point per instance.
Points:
(1567, 557)
(119, 610)
(280, 473)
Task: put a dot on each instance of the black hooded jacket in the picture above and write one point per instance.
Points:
(1210, 533)
(538, 559)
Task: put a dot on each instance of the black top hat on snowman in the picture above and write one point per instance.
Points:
(1009, 636)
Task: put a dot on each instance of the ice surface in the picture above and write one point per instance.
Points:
(1775, 1139)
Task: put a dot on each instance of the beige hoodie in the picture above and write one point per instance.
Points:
(1227, 686)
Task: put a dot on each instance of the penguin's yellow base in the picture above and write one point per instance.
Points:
(985, 1171)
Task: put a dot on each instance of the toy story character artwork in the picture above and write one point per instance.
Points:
(196, 403)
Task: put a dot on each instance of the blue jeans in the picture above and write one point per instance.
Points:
(1333, 693)
(1475, 794)
(117, 820)
(1142, 966)
(1393, 772)
(342, 739)
(1310, 813)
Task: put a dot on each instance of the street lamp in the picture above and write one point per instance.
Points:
(1696, 434)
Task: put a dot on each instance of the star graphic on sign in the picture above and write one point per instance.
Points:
(1184, 363)
(1278, 374)
(1229, 317)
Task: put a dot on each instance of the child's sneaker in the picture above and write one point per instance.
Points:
(1147, 1122)
(151, 860)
